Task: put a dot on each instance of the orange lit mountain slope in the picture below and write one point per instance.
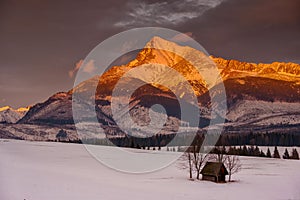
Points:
(258, 95)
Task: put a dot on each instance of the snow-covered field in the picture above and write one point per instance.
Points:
(48, 171)
(264, 113)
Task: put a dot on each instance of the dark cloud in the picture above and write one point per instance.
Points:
(41, 41)
(176, 12)
(255, 31)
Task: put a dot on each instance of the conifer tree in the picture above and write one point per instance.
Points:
(276, 153)
(256, 151)
(245, 151)
(232, 151)
(262, 154)
(286, 154)
(295, 154)
(132, 144)
(268, 153)
(251, 151)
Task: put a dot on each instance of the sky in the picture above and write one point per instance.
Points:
(43, 42)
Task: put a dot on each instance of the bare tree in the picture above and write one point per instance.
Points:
(193, 160)
(186, 163)
(199, 160)
(219, 154)
(232, 164)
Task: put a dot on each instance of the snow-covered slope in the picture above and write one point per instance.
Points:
(10, 115)
(265, 113)
(36, 132)
(39, 170)
(56, 110)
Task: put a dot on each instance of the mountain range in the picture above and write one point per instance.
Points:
(260, 97)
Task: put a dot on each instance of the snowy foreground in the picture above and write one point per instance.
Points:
(42, 171)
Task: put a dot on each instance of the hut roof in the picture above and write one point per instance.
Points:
(214, 168)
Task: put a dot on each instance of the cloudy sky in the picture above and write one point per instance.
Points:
(42, 42)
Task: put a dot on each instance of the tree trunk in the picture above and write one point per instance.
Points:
(190, 166)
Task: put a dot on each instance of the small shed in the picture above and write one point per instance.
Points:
(214, 171)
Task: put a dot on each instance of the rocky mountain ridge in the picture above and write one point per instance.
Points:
(259, 96)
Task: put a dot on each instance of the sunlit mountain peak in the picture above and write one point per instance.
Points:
(4, 108)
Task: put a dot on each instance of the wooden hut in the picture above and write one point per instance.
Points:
(214, 171)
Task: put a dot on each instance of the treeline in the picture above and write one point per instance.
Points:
(158, 140)
(230, 144)
(186, 139)
(260, 139)
(256, 152)
(228, 139)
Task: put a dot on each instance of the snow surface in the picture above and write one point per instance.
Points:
(42, 171)
(265, 113)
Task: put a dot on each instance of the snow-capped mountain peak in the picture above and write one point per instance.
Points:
(10, 115)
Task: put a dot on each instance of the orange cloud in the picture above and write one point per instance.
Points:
(89, 67)
(75, 69)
